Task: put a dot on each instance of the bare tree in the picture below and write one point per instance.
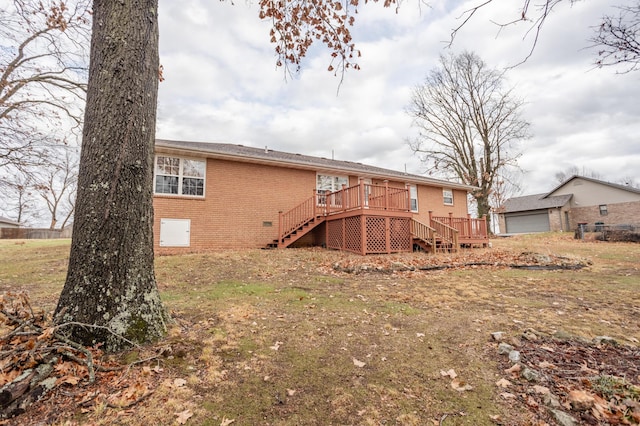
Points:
(56, 184)
(19, 201)
(42, 75)
(468, 124)
(618, 38)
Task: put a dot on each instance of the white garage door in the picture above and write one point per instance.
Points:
(518, 223)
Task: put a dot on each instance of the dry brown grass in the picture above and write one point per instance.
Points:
(282, 338)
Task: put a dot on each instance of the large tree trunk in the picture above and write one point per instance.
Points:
(111, 281)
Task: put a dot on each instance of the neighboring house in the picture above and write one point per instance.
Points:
(215, 196)
(8, 223)
(578, 200)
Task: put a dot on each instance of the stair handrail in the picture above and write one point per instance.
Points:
(424, 232)
(298, 216)
(446, 232)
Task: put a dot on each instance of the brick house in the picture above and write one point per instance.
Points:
(217, 196)
(577, 200)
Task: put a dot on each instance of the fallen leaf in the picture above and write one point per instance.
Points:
(291, 392)
(226, 421)
(451, 373)
(183, 416)
(276, 346)
(545, 364)
(179, 382)
(359, 364)
(72, 380)
(507, 395)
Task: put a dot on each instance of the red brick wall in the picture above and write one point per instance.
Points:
(618, 214)
(430, 198)
(239, 197)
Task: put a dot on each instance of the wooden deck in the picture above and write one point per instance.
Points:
(368, 219)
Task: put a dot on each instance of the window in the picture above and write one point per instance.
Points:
(603, 210)
(328, 183)
(179, 176)
(413, 197)
(447, 197)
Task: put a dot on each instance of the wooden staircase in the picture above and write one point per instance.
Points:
(294, 235)
(435, 238)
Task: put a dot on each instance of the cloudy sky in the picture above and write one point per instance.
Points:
(222, 85)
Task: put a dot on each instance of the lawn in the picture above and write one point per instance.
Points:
(318, 337)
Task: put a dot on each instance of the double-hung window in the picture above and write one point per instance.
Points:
(413, 197)
(447, 197)
(179, 176)
(326, 184)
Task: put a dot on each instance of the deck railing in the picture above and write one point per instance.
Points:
(447, 234)
(297, 217)
(424, 232)
(468, 228)
(365, 196)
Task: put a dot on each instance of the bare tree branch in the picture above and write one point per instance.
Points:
(618, 39)
(468, 124)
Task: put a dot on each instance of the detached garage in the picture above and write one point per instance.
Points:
(534, 213)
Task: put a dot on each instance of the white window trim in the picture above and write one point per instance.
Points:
(444, 196)
(414, 187)
(180, 176)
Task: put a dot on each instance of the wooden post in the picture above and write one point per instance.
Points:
(315, 203)
(386, 194)
(387, 234)
(485, 231)
(451, 219)
(279, 227)
(361, 193)
(408, 189)
(469, 227)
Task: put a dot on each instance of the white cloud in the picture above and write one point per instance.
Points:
(222, 85)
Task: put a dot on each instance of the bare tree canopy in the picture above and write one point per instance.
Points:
(618, 38)
(468, 123)
(43, 59)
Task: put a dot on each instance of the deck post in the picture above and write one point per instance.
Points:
(279, 227)
(361, 193)
(469, 227)
(450, 219)
(386, 194)
(315, 203)
(485, 231)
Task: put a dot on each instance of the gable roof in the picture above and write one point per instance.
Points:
(612, 185)
(272, 157)
(535, 202)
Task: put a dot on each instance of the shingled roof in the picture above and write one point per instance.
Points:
(602, 182)
(269, 156)
(535, 202)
